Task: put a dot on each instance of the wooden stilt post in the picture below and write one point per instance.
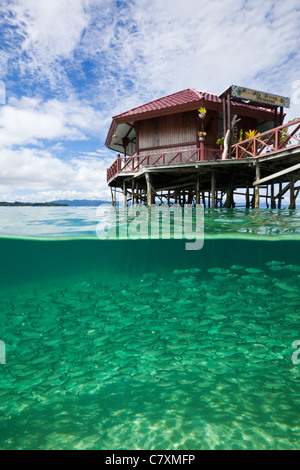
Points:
(273, 200)
(124, 194)
(229, 196)
(203, 198)
(247, 197)
(232, 198)
(292, 193)
(213, 189)
(132, 193)
(256, 188)
(112, 197)
(190, 196)
(279, 198)
(149, 189)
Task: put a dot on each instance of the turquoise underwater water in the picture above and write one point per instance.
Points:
(141, 344)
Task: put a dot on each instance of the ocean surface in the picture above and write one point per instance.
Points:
(143, 344)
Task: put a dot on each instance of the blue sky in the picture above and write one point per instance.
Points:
(68, 66)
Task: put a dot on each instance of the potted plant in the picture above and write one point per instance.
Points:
(202, 113)
(201, 135)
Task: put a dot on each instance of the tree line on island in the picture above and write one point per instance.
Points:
(75, 202)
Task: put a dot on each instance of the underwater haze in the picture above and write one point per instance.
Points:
(142, 344)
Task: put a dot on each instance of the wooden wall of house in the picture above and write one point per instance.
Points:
(168, 133)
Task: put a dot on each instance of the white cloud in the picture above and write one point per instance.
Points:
(26, 170)
(143, 50)
(47, 32)
(158, 47)
(29, 120)
(210, 45)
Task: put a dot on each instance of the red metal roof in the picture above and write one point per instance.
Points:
(179, 99)
(189, 95)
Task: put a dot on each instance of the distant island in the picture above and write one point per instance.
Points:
(82, 202)
(64, 202)
(16, 203)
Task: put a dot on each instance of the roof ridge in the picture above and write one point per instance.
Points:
(206, 92)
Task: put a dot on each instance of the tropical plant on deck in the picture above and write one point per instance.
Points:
(249, 134)
(237, 137)
(283, 137)
(220, 142)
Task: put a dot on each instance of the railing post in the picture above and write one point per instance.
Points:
(118, 163)
(254, 147)
(202, 151)
(276, 139)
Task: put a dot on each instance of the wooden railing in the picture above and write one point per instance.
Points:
(137, 162)
(267, 143)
